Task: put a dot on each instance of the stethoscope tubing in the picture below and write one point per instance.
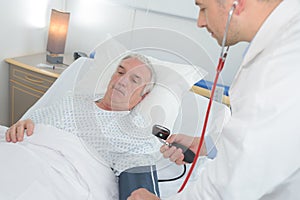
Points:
(219, 68)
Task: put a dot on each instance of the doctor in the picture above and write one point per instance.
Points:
(258, 152)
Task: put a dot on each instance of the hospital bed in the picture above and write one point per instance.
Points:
(190, 122)
(188, 119)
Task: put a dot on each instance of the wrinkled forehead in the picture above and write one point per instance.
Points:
(133, 66)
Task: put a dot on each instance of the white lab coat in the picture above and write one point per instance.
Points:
(259, 148)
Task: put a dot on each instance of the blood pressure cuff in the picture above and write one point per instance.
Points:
(138, 177)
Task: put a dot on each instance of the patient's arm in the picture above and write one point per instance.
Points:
(16, 132)
(175, 154)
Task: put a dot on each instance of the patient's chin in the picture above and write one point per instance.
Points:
(118, 99)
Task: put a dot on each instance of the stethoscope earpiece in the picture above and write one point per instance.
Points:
(235, 3)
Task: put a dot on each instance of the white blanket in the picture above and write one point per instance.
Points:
(52, 164)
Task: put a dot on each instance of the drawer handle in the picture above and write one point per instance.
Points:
(31, 79)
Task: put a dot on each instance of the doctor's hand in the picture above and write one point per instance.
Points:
(16, 132)
(142, 194)
(176, 154)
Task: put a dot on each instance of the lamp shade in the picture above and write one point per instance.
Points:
(58, 30)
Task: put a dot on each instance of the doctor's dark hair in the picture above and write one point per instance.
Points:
(149, 86)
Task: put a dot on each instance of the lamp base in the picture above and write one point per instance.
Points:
(55, 58)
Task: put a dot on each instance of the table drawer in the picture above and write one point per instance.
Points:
(32, 79)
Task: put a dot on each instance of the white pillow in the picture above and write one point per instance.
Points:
(161, 105)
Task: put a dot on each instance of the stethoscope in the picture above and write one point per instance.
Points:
(220, 66)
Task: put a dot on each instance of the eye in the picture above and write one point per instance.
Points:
(136, 79)
(120, 71)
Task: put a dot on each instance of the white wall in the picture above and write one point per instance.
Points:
(23, 31)
(92, 20)
(189, 28)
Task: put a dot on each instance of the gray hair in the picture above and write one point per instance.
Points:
(149, 86)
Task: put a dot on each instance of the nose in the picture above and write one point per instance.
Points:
(123, 81)
(201, 22)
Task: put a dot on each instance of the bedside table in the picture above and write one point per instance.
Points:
(28, 82)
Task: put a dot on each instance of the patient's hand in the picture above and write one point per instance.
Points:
(16, 132)
(175, 154)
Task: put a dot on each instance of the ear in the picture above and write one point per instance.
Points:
(240, 7)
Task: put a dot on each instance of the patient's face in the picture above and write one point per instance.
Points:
(127, 83)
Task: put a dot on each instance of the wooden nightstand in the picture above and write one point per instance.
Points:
(29, 82)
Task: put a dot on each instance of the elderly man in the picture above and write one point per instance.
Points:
(130, 158)
(258, 148)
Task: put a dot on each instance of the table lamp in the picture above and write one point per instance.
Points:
(57, 35)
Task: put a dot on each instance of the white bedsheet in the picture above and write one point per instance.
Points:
(52, 164)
